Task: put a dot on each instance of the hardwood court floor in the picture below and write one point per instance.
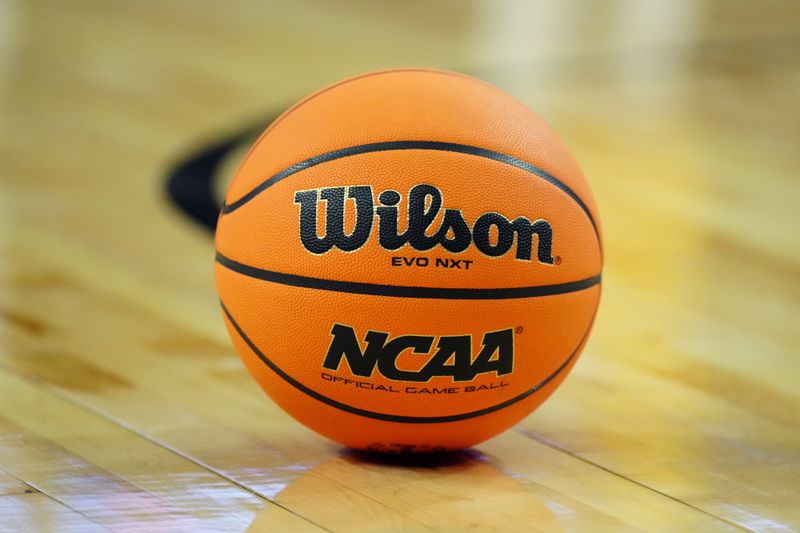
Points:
(123, 406)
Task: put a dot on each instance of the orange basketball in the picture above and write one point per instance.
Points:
(409, 260)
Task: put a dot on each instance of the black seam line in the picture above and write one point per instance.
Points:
(403, 419)
(408, 145)
(401, 291)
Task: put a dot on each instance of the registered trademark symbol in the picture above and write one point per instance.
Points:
(558, 259)
(518, 330)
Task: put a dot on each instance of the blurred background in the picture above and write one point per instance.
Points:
(684, 114)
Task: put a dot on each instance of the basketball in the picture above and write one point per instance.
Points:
(247, 278)
(409, 260)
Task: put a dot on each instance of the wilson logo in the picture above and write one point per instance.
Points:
(449, 356)
(492, 233)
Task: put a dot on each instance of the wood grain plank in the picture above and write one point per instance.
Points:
(109, 474)
(10, 486)
(38, 512)
(152, 382)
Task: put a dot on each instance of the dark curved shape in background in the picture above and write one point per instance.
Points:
(190, 183)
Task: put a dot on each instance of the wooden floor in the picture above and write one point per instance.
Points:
(123, 406)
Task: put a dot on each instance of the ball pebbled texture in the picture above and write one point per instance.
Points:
(490, 160)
